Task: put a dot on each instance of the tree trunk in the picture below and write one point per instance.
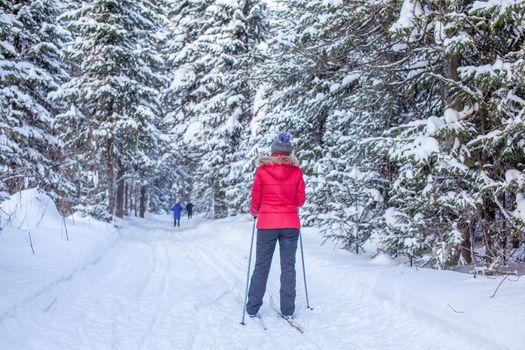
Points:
(135, 201)
(220, 209)
(466, 244)
(452, 70)
(119, 211)
(126, 199)
(452, 67)
(465, 248)
(143, 198)
(131, 198)
(110, 178)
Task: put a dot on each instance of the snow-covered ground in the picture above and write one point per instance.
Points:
(150, 286)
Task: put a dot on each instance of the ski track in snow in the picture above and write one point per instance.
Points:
(159, 287)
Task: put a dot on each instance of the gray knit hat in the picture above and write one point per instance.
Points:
(282, 144)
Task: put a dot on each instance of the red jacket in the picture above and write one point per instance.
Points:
(277, 192)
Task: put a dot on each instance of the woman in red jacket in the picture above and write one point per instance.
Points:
(277, 193)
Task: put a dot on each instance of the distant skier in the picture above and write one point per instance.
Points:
(189, 209)
(277, 193)
(177, 211)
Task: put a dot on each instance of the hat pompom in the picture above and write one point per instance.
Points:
(284, 137)
(281, 144)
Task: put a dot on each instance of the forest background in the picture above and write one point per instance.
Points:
(407, 116)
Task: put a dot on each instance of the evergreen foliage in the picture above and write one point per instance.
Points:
(211, 96)
(328, 94)
(407, 116)
(30, 69)
(110, 126)
(449, 191)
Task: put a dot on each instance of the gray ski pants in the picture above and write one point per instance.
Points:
(266, 240)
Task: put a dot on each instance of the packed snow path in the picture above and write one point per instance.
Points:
(159, 287)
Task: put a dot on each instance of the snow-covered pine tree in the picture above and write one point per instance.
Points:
(447, 186)
(211, 90)
(184, 25)
(155, 168)
(296, 85)
(350, 44)
(491, 74)
(324, 87)
(426, 147)
(251, 28)
(8, 54)
(31, 69)
(110, 126)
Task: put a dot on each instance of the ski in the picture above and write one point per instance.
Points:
(258, 319)
(294, 324)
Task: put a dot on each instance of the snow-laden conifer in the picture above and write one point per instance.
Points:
(30, 68)
(449, 194)
(110, 126)
(325, 88)
(211, 58)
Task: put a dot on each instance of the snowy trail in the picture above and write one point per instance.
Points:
(161, 288)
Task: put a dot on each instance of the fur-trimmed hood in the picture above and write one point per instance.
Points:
(281, 160)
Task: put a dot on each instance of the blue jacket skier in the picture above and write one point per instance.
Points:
(177, 211)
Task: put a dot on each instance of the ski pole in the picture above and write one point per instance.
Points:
(248, 275)
(304, 272)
